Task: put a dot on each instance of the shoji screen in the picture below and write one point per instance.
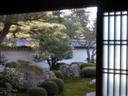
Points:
(115, 54)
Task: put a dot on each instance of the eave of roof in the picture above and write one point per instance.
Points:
(2, 48)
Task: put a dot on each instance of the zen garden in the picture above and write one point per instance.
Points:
(49, 53)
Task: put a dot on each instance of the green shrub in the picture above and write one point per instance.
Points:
(51, 87)
(6, 89)
(37, 92)
(88, 72)
(11, 64)
(60, 84)
(15, 78)
(59, 74)
(23, 74)
(87, 65)
(57, 66)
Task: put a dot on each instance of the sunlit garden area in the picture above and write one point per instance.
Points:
(49, 53)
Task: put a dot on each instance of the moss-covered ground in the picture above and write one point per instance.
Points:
(73, 87)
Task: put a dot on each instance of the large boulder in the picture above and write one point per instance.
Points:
(70, 71)
(76, 70)
(93, 82)
(34, 79)
(32, 74)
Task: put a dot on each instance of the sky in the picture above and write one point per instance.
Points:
(92, 14)
(93, 11)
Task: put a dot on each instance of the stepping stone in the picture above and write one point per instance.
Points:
(91, 94)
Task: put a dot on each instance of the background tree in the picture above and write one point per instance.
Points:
(6, 21)
(80, 27)
(48, 33)
(89, 32)
(53, 42)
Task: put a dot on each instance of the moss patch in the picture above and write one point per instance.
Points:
(77, 87)
(74, 87)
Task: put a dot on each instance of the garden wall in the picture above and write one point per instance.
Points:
(14, 54)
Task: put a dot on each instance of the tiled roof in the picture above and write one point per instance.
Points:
(22, 42)
(82, 43)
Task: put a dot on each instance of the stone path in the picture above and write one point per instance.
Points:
(91, 94)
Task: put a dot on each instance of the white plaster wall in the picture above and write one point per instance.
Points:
(79, 55)
(14, 55)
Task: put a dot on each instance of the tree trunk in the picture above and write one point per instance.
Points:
(49, 63)
(5, 31)
(52, 62)
(92, 56)
(88, 55)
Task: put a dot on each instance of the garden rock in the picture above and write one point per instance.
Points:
(32, 75)
(33, 80)
(93, 81)
(70, 71)
(76, 70)
(49, 75)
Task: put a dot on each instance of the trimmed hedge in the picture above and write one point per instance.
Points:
(60, 84)
(87, 65)
(59, 74)
(37, 92)
(88, 72)
(57, 66)
(50, 86)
